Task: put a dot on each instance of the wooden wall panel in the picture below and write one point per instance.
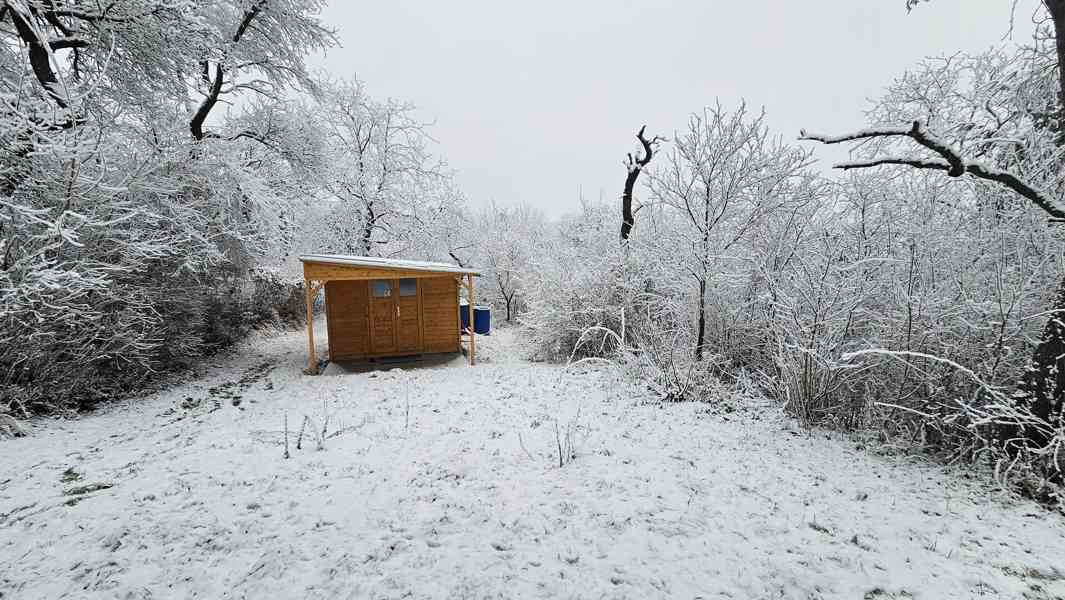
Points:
(354, 333)
(409, 320)
(347, 312)
(440, 298)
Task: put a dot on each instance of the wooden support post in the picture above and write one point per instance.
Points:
(459, 282)
(311, 291)
(473, 327)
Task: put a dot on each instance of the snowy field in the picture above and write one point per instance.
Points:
(443, 482)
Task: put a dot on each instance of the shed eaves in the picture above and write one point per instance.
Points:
(386, 263)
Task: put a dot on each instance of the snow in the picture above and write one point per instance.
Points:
(443, 482)
(856, 135)
(386, 263)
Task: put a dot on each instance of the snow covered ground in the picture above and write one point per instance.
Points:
(443, 482)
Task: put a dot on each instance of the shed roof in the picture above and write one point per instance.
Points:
(374, 262)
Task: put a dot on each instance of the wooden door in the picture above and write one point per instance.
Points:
(348, 317)
(383, 310)
(409, 311)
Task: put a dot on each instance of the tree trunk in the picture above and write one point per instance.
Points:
(213, 92)
(627, 218)
(1042, 384)
(37, 49)
(1056, 8)
(700, 340)
(366, 240)
(634, 165)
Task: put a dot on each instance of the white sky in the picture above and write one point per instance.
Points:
(533, 101)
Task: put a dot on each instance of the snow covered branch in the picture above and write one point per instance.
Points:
(215, 89)
(951, 162)
(635, 163)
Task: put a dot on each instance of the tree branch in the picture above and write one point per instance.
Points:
(196, 124)
(198, 119)
(68, 42)
(951, 162)
(39, 52)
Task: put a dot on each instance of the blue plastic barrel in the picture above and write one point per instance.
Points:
(464, 315)
(482, 319)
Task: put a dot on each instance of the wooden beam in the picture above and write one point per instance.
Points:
(458, 307)
(311, 291)
(328, 321)
(473, 326)
(322, 271)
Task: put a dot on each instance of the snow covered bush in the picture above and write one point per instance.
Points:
(589, 296)
(102, 290)
(975, 262)
(130, 222)
(242, 303)
(581, 278)
(570, 285)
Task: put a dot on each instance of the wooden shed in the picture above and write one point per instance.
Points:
(379, 307)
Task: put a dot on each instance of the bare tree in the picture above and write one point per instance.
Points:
(725, 175)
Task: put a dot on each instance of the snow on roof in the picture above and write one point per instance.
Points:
(385, 263)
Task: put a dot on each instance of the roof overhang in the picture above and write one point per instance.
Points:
(372, 263)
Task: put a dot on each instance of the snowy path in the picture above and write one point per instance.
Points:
(444, 483)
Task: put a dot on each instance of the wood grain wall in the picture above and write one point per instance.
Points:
(348, 317)
(440, 314)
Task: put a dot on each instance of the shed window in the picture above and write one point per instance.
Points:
(408, 287)
(382, 288)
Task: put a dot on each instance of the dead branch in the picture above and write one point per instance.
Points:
(299, 437)
(634, 165)
(286, 436)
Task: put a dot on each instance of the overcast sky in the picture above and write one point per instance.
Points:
(533, 101)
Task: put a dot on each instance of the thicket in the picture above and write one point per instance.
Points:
(140, 228)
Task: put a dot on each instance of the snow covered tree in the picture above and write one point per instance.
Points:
(1007, 132)
(434, 223)
(258, 46)
(725, 174)
(380, 170)
(506, 251)
(89, 56)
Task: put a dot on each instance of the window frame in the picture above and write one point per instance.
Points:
(414, 292)
(376, 287)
